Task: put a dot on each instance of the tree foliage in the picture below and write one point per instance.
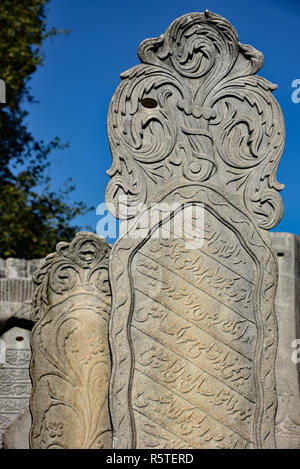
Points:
(32, 217)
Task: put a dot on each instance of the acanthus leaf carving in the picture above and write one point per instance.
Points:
(73, 264)
(70, 365)
(211, 120)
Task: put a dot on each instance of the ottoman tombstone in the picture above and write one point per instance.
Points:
(196, 137)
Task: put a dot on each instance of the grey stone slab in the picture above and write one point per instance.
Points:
(15, 384)
(196, 137)
(16, 436)
(2, 268)
(287, 248)
(16, 268)
(16, 290)
(70, 366)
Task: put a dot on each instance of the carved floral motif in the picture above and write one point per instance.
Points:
(194, 109)
(70, 366)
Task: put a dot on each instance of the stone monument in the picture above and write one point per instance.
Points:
(196, 138)
(70, 365)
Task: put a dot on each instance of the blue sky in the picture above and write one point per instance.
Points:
(82, 71)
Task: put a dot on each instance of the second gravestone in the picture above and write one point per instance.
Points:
(70, 364)
(196, 139)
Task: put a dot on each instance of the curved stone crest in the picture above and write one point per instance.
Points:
(194, 109)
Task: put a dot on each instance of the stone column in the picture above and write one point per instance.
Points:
(196, 137)
(286, 247)
(70, 366)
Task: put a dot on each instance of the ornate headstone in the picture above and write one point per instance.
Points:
(196, 137)
(70, 365)
(286, 247)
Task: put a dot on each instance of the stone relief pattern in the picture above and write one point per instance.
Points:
(16, 289)
(210, 119)
(15, 386)
(287, 428)
(70, 366)
(233, 413)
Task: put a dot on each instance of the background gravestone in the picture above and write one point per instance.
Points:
(193, 330)
(15, 385)
(16, 436)
(16, 290)
(287, 249)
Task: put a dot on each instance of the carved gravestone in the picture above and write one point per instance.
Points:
(70, 365)
(286, 247)
(196, 137)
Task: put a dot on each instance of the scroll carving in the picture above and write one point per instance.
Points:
(193, 332)
(70, 365)
(211, 119)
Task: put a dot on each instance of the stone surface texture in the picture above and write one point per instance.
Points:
(287, 249)
(15, 385)
(16, 436)
(193, 331)
(16, 289)
(70, 365)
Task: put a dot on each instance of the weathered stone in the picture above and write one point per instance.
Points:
(193, 330)
(16, 289)
(287, 250)
(2, 268)
(17, 434)
(70, 365)
(15, 385)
